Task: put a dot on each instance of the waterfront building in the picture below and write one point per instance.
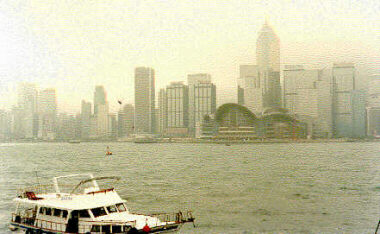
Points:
(47, 114)
(5, 125)
(86, 114)
(101, 111)
(144, 100)
(236, 122)
(102, 119)
(177, 100)
(112, 127)
(100, 97)
(307, 94)
(126, 119)
(202, 99)
(17, 123)
(66, 127)
(162, 111)
(374, 91)
(373, 108)
(27, 102)
(358, 103)
(251, 88)
(343, 84)
(373, 122)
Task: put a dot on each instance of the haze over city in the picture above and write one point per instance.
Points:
(74, 46)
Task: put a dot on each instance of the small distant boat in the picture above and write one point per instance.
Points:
(74, 141)
(108, 151)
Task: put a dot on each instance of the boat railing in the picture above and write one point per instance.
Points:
(49, 225)
(177, 217)
(45, 188)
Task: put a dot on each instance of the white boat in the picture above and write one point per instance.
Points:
(85, 208)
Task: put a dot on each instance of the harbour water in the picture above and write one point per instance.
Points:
(242, 188)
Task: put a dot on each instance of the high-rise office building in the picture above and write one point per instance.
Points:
(373, 108)
(85, 116)
(100, 98)
(112, 126)
(102, 118)
(259, 85)
(307, 94)
(163, 111)
(268, 49)
(126, 119)
(27, 102)
(47, 114)
(177, 99)
(250, 83)
(5, 125)
(268, 62)
(101, 111)
(202, 99)
(144, 100)
(343, 84)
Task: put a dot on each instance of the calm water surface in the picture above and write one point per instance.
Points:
(248, 188)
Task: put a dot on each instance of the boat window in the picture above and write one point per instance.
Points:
(112, 209)
(64, 213)
(106, 229)
(116, 229)
(98, 211)
(47, 211)
(57, 212)
(84, 214)
(42, 209)
(121, 207)
(95, 228)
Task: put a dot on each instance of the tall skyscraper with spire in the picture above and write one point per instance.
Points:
(268, 49)
(259, 85)
(268, 63)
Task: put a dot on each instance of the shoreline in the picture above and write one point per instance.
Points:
(203, 141)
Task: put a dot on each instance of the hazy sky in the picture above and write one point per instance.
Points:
(75, 45)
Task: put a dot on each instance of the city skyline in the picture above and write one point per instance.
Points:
(179, 44)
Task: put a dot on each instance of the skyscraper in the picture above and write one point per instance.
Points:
(163, 111)
(373, 109)
(126, 118)
(47, 114)
(259, 85)
(251, 88)
(202, 99)
(144, 100)
(268, 49)
(85, 119)
(177, 95)
(99, 97)
(343, 81)
(307, 94)
(101, 112)
(27, 102)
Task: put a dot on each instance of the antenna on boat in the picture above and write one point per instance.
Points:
(38, 180)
